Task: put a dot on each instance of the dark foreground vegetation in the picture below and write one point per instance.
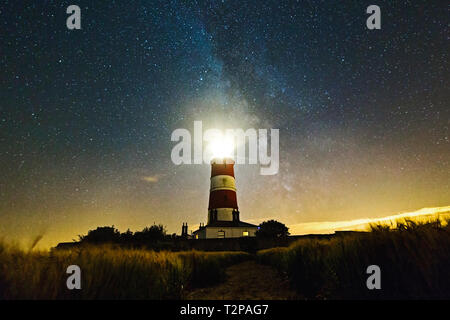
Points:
(110, 272)
(414, 259)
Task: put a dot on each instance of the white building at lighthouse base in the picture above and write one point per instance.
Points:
(225, 229)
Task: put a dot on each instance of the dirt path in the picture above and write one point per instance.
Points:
(247, 281)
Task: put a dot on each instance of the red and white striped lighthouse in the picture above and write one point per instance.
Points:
(223, 212)
(222, 193)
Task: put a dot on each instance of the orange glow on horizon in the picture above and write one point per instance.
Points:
(325, 227)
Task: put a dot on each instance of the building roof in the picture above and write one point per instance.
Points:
(228, 224)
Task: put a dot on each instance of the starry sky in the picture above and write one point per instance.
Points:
(86, 115)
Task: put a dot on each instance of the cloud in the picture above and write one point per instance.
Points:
(152, 179)
(362, 224)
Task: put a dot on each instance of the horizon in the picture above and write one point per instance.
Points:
(306, 228)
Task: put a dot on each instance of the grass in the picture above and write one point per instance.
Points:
(109, 272)
(414, 259)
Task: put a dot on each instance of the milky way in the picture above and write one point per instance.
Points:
(86, 115)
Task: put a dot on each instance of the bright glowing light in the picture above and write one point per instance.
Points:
(424, 214)
(222, 147)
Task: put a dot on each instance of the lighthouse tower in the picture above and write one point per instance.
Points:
(223, 212)
(222, 193)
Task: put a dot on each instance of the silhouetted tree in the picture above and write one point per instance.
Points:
(147, 236)
(172, 236)
(101, 235)
(126, 236)
(151, 234)
(272, 229)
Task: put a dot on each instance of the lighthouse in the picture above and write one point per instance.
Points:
(222, 193)
(223, 219)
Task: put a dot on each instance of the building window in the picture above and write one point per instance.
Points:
(245, 233)
(221, 234)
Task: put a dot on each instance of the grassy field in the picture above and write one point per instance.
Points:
(414, 259)
(109, 272)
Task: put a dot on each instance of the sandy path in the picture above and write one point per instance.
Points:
(247, 281)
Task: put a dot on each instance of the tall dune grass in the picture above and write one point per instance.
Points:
(414, 259)
(109, 272)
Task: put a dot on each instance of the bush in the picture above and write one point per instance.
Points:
(272, 229)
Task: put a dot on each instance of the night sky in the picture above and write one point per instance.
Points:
(86, 115)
